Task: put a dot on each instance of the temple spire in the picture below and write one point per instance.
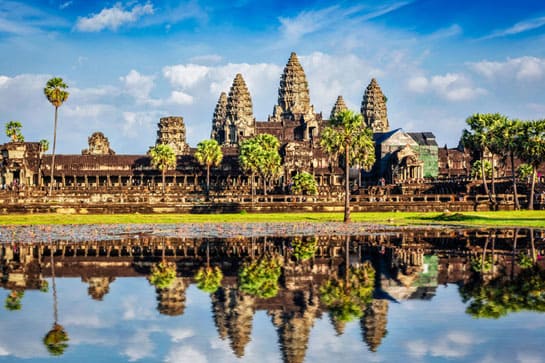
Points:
(239, 114)
(219, 128)
(373, 108)
(339, 106)
(293, 94)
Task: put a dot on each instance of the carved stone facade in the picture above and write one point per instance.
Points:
(98, 145)
(172, 132)
(373, 108)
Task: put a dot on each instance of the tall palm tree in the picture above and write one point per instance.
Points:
(249, 155)
(56, 339)
(55, 93)
(13, 131)
(506, 139)
(531, 149)
(208, 154)
(347, 135)
(163, 158)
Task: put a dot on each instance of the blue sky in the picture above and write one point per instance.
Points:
(128, 63)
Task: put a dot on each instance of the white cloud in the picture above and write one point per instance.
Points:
(139, 346)
(185, 75)
(138, 85)
(112, 18)
(520, 27)
(185, 354)
(529, 357)
(180, 98)
(522, 69)
(207, 58)
(65, 5)
(135, 124)
(451, 86)
(177, 335)
(454, 344)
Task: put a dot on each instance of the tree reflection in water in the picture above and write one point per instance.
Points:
(296, 280)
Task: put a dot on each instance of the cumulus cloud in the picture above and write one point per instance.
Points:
(185, 354)
(139, 346)
(185, 75)
(454, 344)
(112, 18)
(451, 86)
(137, 85)
(522, 68)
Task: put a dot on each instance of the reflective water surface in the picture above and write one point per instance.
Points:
(427, 295)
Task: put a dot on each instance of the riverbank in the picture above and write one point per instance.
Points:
(534, 219)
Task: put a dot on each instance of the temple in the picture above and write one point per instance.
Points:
(400, 156)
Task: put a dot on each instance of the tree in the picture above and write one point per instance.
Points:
(259, 155)
(163, 158)
(208, 278)
(55, 93)
(260, 277)
(477, 169)
(208, 154)
(56, 339)
(304, 183)
(506, 139)
(13, 131)
(347, 135)
(44, 146)
(531, 150)
(483, 138)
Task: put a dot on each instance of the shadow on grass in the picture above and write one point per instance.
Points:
(470, 218)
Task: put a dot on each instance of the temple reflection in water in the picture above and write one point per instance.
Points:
(408, 264)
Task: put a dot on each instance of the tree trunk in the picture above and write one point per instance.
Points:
(53, 152)
(483, 174)
(493, 182)
(347, 186)
(253, 187)
(532, 189)
(534, 256)
(164, 178)
(207, 180)
(264, 185)
(514, 254)
(513, 176)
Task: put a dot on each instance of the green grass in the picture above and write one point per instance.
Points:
(499, 219)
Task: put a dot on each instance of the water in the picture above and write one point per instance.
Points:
(111, 313)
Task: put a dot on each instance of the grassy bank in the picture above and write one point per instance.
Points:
(500, 219)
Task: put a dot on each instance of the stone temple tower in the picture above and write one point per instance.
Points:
(373, 108)
(219, 128)
(293, 94)
(172, 132)
(239, 116)
(339, 106)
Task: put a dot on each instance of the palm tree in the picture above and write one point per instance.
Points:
(531, 149)
(56, 339)
(209, 278)
(304, 183)
(163, 158)
(55, 93)
(208, 154)
(507, 133)
(347, 135)
(483, 138)
(249, 160)
(13, 131)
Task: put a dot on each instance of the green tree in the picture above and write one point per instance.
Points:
(56, 339)
(13, 300)
(477, 169)
(347, 298)
(163, 158)
(347, 135)
(162, 275)
(304, 183)
(13, 131)
(531, 150)
(304, 248)
(506, 141)
(482, 138)
(209, 278)
(259, 155)
(260, 277)
(55, 93)
(208, 154)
